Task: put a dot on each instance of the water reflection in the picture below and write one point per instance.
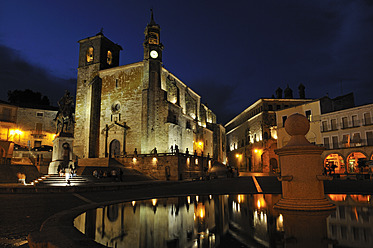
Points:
(205, 221)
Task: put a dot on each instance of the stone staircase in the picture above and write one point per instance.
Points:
(56, 180)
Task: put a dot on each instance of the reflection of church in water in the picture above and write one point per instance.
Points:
(138, 106)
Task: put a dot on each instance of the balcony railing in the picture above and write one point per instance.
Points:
(346, 125)
(340, 145)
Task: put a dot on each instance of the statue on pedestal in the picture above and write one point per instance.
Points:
(62, 156)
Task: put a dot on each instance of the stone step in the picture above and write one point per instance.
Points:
(57, 180)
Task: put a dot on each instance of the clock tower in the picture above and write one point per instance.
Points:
(152, 46)
(153, 97)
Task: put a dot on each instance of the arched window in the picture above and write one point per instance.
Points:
(109, 58)
(335, 161)
(90, 54)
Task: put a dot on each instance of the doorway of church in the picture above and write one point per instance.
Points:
(114, 148)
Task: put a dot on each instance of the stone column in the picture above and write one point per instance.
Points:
(62, 153)
(301, 170)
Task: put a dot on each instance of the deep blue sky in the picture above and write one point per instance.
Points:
(230, 52)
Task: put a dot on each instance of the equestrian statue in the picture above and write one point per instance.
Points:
(64, 117)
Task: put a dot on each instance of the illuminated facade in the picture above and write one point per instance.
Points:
(140, 106)
(29, 127)
(312, 111)
(345, 132)
(252, 135)
(348, 136)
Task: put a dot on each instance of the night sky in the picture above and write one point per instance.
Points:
(230, 52)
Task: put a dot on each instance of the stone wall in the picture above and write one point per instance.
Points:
(37, 126)
(178, 166)
(86, 75)
(121, 103)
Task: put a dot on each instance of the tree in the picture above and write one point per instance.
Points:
(27, 97)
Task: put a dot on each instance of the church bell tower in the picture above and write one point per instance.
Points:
(152, 96)
(96, 53)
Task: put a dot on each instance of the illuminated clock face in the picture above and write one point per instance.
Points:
(154, 54)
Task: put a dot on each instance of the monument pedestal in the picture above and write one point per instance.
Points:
(301, 166)
(62, 153)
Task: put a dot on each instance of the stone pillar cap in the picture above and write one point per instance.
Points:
(297, 126)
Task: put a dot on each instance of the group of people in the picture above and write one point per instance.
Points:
(68, 172)
(116, 174)
(329, 168)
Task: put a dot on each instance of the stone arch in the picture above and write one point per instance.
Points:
(336, 159)
(352, 160)
(114, 148)
(89, 54)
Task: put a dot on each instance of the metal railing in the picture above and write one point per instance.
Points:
(351, 144)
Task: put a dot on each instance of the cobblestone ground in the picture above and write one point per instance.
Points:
(24, 213)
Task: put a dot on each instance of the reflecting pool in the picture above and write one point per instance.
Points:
(229, 221)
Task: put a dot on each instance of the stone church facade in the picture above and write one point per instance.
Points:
(140, 106)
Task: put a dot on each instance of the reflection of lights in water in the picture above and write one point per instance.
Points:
(154, 202)
(194, 216)
(360, 198)
(337, 197)
(281, 218)
(133, 203)
(280, 223)
(195, 245)
(236, 207)
(260, 203)
(240, 198)
(188, 199)
(200, 211)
